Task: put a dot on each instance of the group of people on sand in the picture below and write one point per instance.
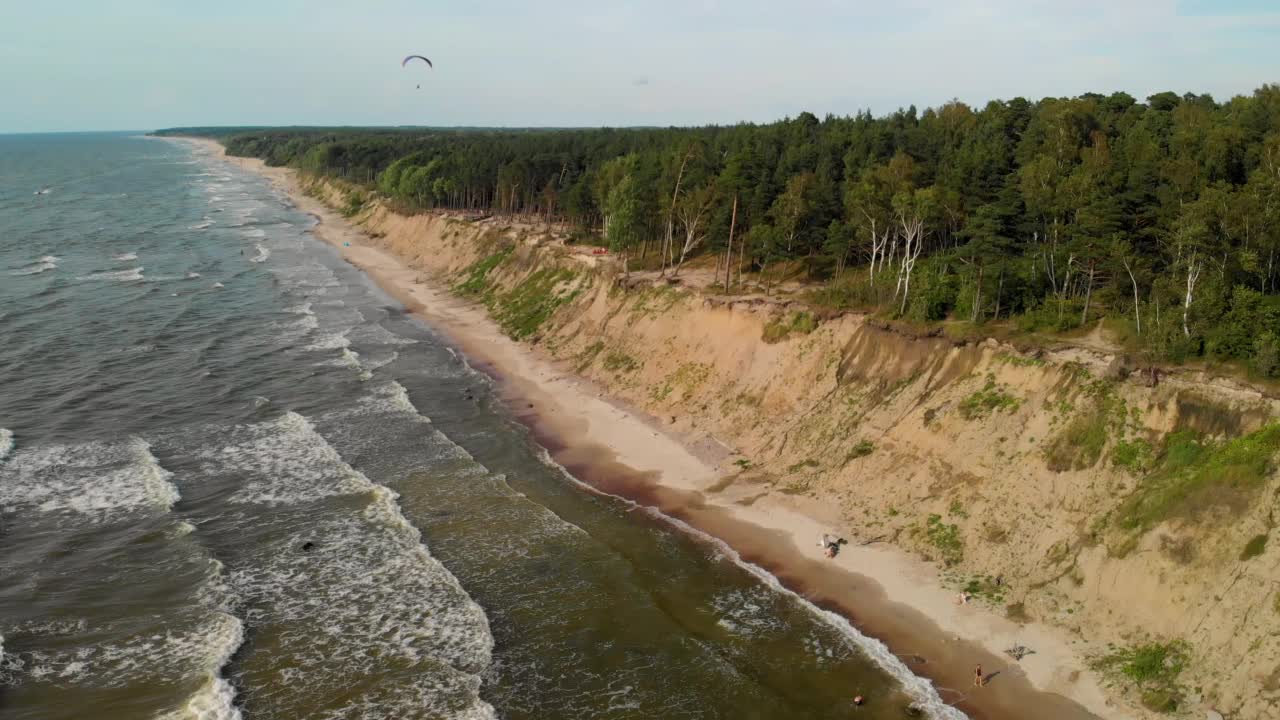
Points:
(830, 545)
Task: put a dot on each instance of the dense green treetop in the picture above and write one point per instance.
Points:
(1163, 215)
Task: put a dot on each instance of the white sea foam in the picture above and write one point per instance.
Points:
(350, 358)
(215, 700)
(369, 596)
(37, 267)
(129, 275)
(921, 690)
(6, 443)
(263, 254)
(329, 341)
(96, 479)
(206, 224)
(124, 257)
(303, 324)
(372, 363)
(48, 259)
(192, 275)
(286, 461)
(359, 591)
(218, 285)
(749, 611)
(378, 335)
(165, 655)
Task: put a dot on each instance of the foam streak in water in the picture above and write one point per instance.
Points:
(95, 479)
(36, 268)
(215, 700)
(118, 275)
(365, 598)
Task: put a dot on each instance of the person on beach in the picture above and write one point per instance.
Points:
(978, 678)
(830, 544)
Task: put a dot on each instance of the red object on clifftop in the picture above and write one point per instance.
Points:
(599, 251)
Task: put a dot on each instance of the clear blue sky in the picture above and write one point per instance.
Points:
(142, 64)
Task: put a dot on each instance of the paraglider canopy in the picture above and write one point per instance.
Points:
(407, 58)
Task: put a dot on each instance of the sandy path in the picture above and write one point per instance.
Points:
(886, 593)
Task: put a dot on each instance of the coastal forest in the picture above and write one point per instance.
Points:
(1158, 219)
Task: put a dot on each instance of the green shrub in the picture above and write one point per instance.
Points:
(946, 538)
(1079, 445)
(778, 329)
(1134, 456)
(1153, 668)
(1254, 547)
(1266, 355)
(355, 203)
(476, 280)
(1052, 315)
(803, 465)
(521, 311)
(616, 361)
(862, 449)
(990, 398)
(1194, 474)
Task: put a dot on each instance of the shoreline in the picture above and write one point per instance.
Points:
(881, 591)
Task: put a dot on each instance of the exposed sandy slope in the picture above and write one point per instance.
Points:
(665, 396)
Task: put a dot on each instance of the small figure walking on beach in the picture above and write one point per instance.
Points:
(978, 679)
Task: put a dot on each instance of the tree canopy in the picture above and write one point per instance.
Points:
(1163, 214)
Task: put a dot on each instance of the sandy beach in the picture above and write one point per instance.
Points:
(884, 592)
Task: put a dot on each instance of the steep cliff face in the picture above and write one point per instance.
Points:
(1054, 486)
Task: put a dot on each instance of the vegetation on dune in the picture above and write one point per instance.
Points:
(1079, 445)
(523, 309)
(863, 448)
(1133, 455)
(1163, 215)
(1194, 475)
(799, 323)
(1153, 668)
(620, 362)
(1255, 547)
(355, 202)
(476, 276)
(945, 538)
(991, 398)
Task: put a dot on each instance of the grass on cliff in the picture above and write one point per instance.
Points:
(355, 202)
(778, 329)
(616, 361)
(476, 276)
(990, 398)
(1194, 474)
(1153, 668)
(1080, 444)
(945, 538)
(522, 310)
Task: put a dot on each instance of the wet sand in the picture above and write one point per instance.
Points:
(881, 590)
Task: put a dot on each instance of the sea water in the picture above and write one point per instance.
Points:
(238, 481)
